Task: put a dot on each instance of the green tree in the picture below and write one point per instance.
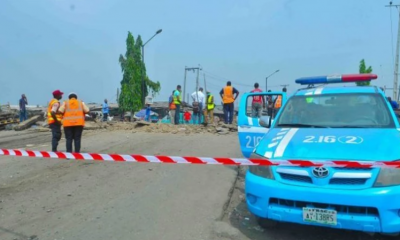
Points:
(131, 97)
(363, 69)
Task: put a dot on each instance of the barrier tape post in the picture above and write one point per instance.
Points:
(195, 160)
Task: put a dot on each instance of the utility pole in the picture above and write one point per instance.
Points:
(205, 85)
(396, 65)
(184, 86)
(197, 79)
(142, 68)
(184, 83)
(266, 80)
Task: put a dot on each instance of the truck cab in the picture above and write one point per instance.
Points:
(252, 126)
(325, 123)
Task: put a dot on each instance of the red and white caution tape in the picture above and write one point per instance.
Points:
(194, 160)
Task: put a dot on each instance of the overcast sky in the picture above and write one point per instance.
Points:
(74, 45)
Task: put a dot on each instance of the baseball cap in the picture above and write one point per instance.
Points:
(57, 92)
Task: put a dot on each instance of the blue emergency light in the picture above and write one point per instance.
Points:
(337, 79)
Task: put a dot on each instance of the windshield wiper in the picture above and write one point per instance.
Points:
(350, 126)
(300, 125)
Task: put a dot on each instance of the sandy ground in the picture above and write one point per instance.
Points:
(65, 199)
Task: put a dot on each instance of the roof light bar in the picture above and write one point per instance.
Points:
(337, 79)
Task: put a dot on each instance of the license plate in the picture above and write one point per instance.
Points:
(322, 216)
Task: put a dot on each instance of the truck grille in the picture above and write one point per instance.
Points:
(339, 208)
(340, 176)
(297, 178)
(350, 181)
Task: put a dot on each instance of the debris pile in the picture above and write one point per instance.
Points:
(141, 126)
(7, 117)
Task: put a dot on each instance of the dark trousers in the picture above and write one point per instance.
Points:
(73, 134)
(177, 113)
(23, 116)
(105, 117)
(270, 111)
(55, 135)
(228, 112)
(201, 108)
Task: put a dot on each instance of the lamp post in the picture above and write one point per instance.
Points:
(266, 80)
(143, 84)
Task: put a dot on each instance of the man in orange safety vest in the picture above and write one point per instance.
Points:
(278, 102)
(74, 111)
(229, 95)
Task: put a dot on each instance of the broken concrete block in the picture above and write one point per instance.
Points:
(26, 124)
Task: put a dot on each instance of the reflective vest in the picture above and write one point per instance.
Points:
(50, 118)
(278, 102)
(73, 114)
(228, 95)
(172, 106)
(176, 102)
(210, 103)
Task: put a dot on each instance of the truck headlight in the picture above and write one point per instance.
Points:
(261, 171)
(388, 177)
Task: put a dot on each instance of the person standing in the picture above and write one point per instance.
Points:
(54, 118)
(172, 108)
(278, 102)
(177, 102)
(394, 104)
(258, 103)
(198, 105)
(74, 112)
(106, 110)
(209, 109)
(148, 113)
(22, 108)
(228, 98)
(187, 116)
(270, 105)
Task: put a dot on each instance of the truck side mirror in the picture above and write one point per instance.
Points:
(265, 121)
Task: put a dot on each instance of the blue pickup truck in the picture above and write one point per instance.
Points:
(321, 122)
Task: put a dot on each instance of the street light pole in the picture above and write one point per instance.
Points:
(266, 80)
(396, 65)
(143, 84)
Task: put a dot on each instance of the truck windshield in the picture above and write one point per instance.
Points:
(341, 110)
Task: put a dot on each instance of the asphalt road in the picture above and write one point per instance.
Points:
(62, 199)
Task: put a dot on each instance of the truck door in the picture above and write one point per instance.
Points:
(250, 129)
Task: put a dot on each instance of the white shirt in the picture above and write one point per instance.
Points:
(199, 97)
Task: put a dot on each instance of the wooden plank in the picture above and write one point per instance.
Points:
(26, 124)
